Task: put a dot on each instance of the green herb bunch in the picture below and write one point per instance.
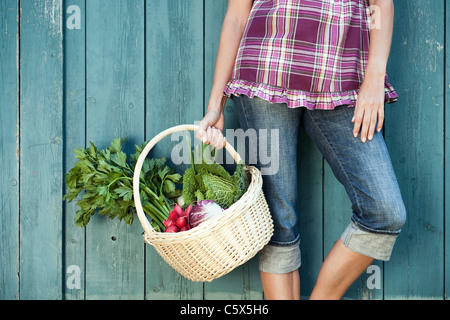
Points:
(106, 177)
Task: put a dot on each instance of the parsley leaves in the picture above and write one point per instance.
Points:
(102, 181)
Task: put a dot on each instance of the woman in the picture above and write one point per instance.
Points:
(291, 63)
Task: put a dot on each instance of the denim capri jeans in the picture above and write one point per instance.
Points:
(364, 169)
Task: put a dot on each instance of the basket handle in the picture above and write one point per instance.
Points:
(137, 170)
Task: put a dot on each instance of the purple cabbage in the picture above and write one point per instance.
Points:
(204, 210)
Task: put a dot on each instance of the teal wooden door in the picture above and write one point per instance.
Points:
(76, 71)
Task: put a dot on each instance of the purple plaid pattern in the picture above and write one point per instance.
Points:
(310, 53)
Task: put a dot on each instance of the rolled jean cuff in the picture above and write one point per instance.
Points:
(280, 259)
(374, 245)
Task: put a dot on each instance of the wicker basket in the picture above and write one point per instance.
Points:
(219, 245)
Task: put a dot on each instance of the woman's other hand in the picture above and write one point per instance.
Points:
(369, 109)
(370, 102)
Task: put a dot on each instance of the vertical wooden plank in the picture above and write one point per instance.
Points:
(9, 157)
(414, 134)
(115, 108)
(41, 109)
(174, 66)
(74, 137)
(447, 152)
(244, 282)
(310, 216)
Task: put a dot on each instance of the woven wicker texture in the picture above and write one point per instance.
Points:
(219, 245)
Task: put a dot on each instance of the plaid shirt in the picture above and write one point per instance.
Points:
(310, 53)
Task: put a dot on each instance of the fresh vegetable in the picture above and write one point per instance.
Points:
(209, 180)
(180, 201)
(178, 210)
(178, 219)
(173, 215)
(168, 223)
(106, 177)
(172, 229)
(188, 211)
(181, 222)
(204, 210)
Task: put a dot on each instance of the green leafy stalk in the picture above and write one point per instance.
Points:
(104, 179)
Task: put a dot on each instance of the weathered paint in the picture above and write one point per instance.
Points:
(41, 144)
(9, 155)
(414, 133)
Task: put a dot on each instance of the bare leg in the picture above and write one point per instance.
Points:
(340, 269)
(281, 286)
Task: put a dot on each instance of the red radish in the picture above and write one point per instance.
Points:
(167, 223)
(181, 222)
(188, 210)
(183, 228)
(172, 229)
(172, 215)
(178, 210)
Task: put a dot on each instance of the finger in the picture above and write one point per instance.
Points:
(211, 136)
(372, 125)
(200, 133)
(357, 121)
(218, 138)
(380, 119)
(365, 125)
(208, 135)
(222, 143)
(214, 136)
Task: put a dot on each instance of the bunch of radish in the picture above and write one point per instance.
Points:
(178, 219)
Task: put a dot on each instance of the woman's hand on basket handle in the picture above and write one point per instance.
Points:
(211, 127)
